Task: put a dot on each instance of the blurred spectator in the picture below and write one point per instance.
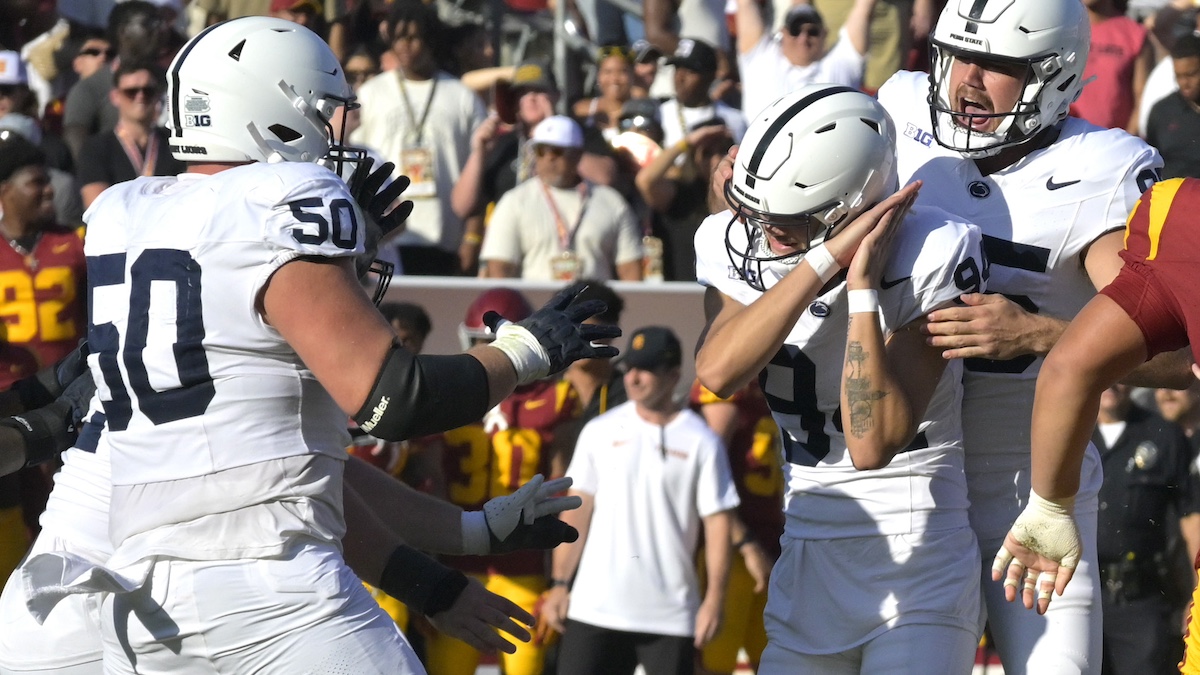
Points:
(614, 86)
(1146, 480)
(744, 423)
(651, 476)
(640, 134)
(137, 31)
(774, 64)
(1182, 407)
(645, 68)
(307, 13)
(598, 384)
(422, 119)
(360, 66)
(221, 10)
(94, 54)
(677, 194)
(695, 69)
(1174, 124)
(43, 265)
(411, 323)
(17, 99)
(15, 95)
(894, 27)
(137, 146)
(68, 207)
(669, 21)
(1120, 60)
(557, 226)
(501, 158)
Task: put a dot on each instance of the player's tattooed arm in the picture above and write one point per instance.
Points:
(860, 395)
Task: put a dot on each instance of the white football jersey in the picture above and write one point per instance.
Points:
(193, 381)
(935, 258)
(1038, 218)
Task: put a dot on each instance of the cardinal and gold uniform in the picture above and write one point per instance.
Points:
(494, 457)
(757, 465)
(41, 303)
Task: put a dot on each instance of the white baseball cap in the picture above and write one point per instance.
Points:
(12, 69)
(560, 131)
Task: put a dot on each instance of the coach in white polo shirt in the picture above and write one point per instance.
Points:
(556, 226)
(650, 475)
(774, 64)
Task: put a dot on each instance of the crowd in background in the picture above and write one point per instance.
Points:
(516, 170)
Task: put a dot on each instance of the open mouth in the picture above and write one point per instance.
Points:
(973, 114)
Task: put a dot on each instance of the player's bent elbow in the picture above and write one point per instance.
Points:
(870, 456)
(715, 378)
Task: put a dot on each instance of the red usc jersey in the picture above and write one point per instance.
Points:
(500, 453)
(1156, 286)
(754, 457)
(41, 303)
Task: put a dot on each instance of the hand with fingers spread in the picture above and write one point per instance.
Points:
(553, 337)
(478, 617)
(1040, 553)
(365, 187)
(526, 519)
(988, 326)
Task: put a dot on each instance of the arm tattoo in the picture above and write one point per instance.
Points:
(858, 391)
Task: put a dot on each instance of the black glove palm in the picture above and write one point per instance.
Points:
(545, 532)
(559, 329)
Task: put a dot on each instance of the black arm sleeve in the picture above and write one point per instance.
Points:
(421, 582)
(419, 395)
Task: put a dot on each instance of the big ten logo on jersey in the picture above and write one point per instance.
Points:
(197, 120)
(335, 222)
(480, 465)
(37, 306)
(744, 274)
(918, 134)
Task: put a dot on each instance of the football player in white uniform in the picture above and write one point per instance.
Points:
(878, 570)
(988, 134)
(230, 338)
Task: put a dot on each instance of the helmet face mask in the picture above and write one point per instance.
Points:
(1047, 39)
(808, 164)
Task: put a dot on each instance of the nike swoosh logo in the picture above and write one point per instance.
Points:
(1051, 185)
(535, 403)
(61, 248)
(885, 284)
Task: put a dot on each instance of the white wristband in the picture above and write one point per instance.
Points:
(476, 538)
(822, 262)
(863, 301)
(528, 357)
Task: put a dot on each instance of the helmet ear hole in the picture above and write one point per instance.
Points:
(284, 133)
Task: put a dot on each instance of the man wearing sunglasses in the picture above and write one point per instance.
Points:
(137, 145)
(774, 65)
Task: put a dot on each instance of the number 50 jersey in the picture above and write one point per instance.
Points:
(192, 379)
(934, 259)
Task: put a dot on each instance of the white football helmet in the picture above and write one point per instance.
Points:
(1049, 37)
(255, 89)
(814, 159)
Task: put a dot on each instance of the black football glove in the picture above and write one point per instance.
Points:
(48, 383)
(52, 429)
(553, 337)
(545, 532)
(364, 186)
